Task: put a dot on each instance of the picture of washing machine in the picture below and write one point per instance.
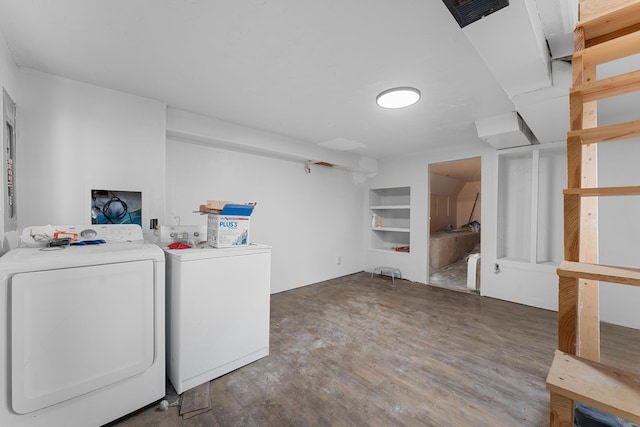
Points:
(82, 341)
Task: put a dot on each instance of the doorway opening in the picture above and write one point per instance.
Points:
(455, 224)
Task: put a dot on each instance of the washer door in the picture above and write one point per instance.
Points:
(76, 330)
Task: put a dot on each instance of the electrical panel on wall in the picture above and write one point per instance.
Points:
(9, 156)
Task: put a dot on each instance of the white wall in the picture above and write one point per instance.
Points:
(74, 137)
(183, 125)
(619, 229)
(309, 219)
(534, 284)
(8, 81)
(8, 70)
(410, 171)
(413, 170)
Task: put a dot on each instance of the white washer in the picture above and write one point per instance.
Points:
(83, 330)
(218, 303)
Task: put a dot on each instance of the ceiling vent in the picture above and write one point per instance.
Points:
(467, 11)
(505, 131)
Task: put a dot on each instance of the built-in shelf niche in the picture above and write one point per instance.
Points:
(530, 208)
(390, 218)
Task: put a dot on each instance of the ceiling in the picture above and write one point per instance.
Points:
(308, 70)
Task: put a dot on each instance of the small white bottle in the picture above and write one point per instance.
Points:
(373, 220)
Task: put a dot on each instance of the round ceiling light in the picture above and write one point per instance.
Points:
(398, 97)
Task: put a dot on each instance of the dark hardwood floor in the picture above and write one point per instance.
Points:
(356, 352)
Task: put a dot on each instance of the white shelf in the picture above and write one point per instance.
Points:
(394, 229)
(389, 207)
(388, 250)
(390, 196)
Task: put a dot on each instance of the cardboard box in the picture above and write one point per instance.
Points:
(226, 208)
(224, 231)
(216, 204)
(212, 207)
(228, 224)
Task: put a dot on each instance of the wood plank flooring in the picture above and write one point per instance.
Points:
(356, 352)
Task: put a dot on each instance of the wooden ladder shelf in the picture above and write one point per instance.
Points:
(602, 387)
(608, 30)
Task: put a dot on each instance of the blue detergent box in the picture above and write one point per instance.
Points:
(229, 226)
(237, 210)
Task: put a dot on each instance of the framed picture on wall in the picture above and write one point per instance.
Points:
(116, 207)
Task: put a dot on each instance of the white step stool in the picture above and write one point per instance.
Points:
(390, 271)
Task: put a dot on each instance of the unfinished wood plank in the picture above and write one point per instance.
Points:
(578, 290)
(588, 250)
(593, 9)
(572, 202)
(601, 17)
(604, 191)
(574, 162)
(610, 50)
(578, 79)
(589, 109)
(571, 227)
(588, 320)
(607, 133)
(603, 387)
(588, 308)
(567, 314)
(603, 273)
(575, 109)
(561, 411)
(606, 88)
(592, 41)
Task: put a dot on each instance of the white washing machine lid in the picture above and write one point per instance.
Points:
(123, 243)
(41, 235)
(35, 259)
(208, 252)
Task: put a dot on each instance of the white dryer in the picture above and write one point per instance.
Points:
(82, 336)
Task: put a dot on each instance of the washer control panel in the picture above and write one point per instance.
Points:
(43, 235)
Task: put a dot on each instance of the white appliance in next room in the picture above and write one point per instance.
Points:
(218, 303)
(82, 341)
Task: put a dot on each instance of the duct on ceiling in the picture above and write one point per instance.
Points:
(513, 45)
(505, 131)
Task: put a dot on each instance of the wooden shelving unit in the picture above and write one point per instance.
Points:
(608, 30)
